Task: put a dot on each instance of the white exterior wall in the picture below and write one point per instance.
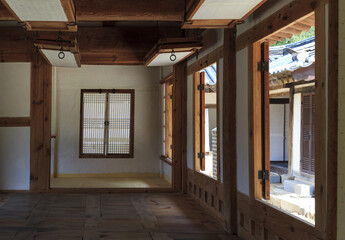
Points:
(15, 141)
(147, 146)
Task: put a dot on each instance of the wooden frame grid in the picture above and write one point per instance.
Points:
(131, 135)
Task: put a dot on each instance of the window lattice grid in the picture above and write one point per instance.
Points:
(119, 123)
(93, 123)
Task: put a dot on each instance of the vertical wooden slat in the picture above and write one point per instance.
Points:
(291, 116)
(41, 90)
(266, 118)
(202, 121)
(256, 118)
(196, 120)
(229, 131)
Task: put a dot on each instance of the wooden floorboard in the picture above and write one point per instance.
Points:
(95, 216)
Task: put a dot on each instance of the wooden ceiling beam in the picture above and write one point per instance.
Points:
(120, 45)
(134, 10)
(5, 14)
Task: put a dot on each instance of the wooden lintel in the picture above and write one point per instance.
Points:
(284, 18)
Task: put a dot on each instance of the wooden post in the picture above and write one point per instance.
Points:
(291, 106)
(180, 127)
(229, 131)
(40, 131)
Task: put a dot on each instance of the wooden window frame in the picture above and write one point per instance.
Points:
(131, 135)
(168, 82)
(197, 166)
(255, 137)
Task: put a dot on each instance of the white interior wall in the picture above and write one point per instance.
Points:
(15, 141)
(341, 124)
(147, 146)
(277, 132)
(242, 121)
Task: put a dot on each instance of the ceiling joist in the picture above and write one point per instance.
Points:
(134, 10)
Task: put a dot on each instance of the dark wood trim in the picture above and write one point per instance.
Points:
(332, 128)
(14, 121)
(229, 131)
(206, 61)
(166, 160)
(111, 190)
(131, 140)
(282, 18)
(40, 131)
(279, 100)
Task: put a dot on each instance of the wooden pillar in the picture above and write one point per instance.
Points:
(229, 131)
(41, 90)
(332, 142)
(180, 127)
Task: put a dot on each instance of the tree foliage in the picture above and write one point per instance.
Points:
(295, 38)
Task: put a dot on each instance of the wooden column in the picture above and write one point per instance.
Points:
(180, 128)
(41, 90)
(229, 131)
(332, 143)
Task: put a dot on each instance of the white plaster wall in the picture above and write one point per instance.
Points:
(242, 133)
(15, 89)
(341, 125)
(147, 141)
(15, 141)
(277, 132)
(14, 158)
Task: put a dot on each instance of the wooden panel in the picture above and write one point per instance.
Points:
(13, 47)
(271, 223)
(208, 192)
(281, 19)
(179, 153)
(205, 24)
(69, 8)
(135, 10)
(14, 121)
(51, 26)
(5, 15)
(41, 77)
(229, 131)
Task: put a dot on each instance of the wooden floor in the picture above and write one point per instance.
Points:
(109, 182)
(51, 216)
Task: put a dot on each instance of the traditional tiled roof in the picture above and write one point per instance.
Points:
(293, 56)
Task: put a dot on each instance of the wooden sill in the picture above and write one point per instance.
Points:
(166, 160)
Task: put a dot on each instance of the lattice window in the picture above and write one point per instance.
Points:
(107, 123)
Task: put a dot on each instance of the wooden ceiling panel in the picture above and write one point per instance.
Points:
(5, 14)
(130, 10)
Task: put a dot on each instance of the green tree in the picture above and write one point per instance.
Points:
(296, 38)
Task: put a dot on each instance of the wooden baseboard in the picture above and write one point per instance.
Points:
(105, 175)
